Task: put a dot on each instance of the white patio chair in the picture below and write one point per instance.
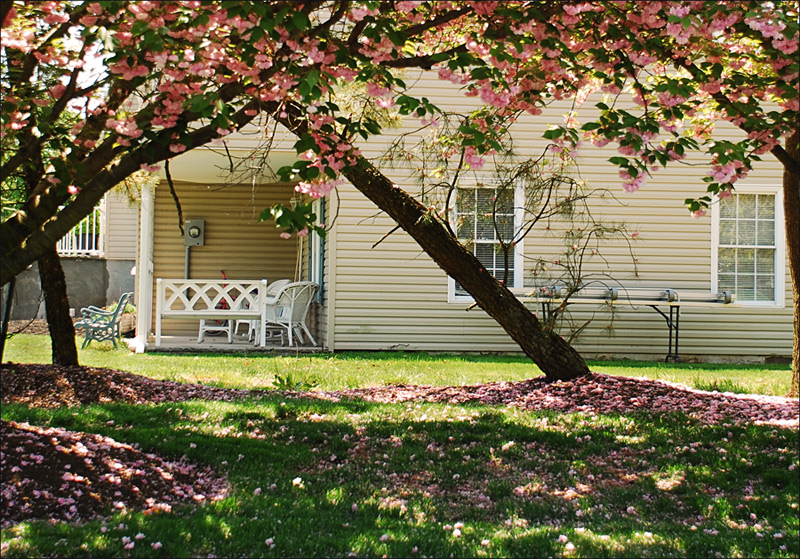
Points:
(252, 325)
(290, 309)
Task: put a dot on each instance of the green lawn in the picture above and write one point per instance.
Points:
(327, 479)
(349, 370)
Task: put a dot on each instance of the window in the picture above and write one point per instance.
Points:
(482, 218)
(749, 252)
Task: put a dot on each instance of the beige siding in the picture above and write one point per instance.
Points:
(121, 227)
(234, 239)
(394, 296)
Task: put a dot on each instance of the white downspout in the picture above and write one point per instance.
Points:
(144, 271)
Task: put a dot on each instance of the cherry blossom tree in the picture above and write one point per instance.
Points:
(154, 79)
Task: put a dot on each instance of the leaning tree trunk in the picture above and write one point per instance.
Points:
(554, 356)
(54, 287)
(791, 206)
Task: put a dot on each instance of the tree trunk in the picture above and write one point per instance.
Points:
(7, 315)
(54, 287)
(554, 356)
(791, 208)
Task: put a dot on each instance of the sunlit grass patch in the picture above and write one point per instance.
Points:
(360, 369)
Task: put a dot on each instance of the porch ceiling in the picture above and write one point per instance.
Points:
(208, 165)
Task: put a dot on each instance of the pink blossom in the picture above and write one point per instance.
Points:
(407, 6)
(375, 90)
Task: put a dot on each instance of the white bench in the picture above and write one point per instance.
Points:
(558, 295)
(211, 300)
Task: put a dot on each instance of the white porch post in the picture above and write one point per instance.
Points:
(144, 270)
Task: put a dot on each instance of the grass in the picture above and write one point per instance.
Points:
(398, 480)
(348, 370)
(395, 480)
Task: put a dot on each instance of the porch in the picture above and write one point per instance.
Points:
(219, 344)
(224, 243)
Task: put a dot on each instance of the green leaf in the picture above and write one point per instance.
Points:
(300, 20)
(312, 173)
(553, 133)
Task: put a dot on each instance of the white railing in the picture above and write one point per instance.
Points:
(88, 237)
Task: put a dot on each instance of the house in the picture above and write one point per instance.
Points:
(379, 291)
(97, 256)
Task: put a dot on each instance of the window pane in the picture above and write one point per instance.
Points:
(485, 229)
(727, 261)
(766, 232)
(747, 232)
(765, 261)
(465, 200)
(727, 207)
(485, 253)
(765, 291)
(746, 287)
(766, 206)
(726, 282)
(505, 227)
(466, 226)
(747, 206)
(485, 204)
(746, 261)
(727, 232)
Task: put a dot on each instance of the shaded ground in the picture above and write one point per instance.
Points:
(33, 326)
(54, 473)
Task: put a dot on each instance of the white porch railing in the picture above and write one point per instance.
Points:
(88, 237)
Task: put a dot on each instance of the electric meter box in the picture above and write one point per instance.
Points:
(194, 232)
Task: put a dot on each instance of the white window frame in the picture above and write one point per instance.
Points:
(519, 248)
(780, 245)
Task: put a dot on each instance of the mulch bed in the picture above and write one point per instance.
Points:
(36, 326)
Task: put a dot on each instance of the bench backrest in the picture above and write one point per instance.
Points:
(194, 295)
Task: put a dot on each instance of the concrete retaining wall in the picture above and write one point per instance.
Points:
(90, 281)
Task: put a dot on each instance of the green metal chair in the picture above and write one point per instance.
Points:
(100, 324)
